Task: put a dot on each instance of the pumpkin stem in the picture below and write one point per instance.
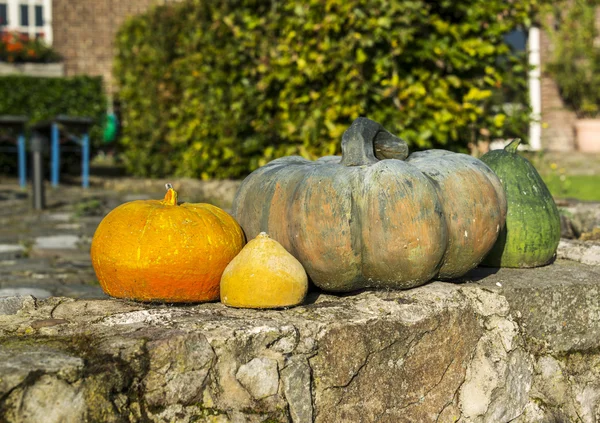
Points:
(358, 143)
(171, 196)
(512, 147)
(388, 146)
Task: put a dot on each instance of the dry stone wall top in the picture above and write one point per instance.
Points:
(507, 345)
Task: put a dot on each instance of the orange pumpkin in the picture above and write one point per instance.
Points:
(153, 250)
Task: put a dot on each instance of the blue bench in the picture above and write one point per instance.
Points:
(63, 129)
(16, 140)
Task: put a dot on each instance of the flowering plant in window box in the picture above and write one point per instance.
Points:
(20, 48)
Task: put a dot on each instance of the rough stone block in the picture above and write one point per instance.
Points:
(260, 377)
(500, 345)
(11, 305)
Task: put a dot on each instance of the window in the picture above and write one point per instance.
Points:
(39, 16)
(3, 14)
(24, 15)
(29, 17)
(516, 39)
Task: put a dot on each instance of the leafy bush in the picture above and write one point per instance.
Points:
(216, 89)
(19, 48)
(43, 98)
(575, 65)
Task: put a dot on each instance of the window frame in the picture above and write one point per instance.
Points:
(32, 30)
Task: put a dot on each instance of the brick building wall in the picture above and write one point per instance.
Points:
(84, 32)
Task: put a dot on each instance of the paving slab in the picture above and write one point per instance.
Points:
(8, 251)
(58, 217)
(57, 242)
(23, 291)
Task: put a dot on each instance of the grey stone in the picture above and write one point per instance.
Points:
(18, 362)
(567, 388)
(557, 307)
(584, 217)
(179, 365)
(11, 305)
(510, 400)
(260, 377)
(296, 380)
(68, 226)
(48, 400)
(552, 384)
(56, 242)
(10, 251)
(24, 291)
(566, 227)
(504, 345)
(46, 70)
(92, 309)
(586, 252)
(25, 265)
(80, 291)
(58, 217)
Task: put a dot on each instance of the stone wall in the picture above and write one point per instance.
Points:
(84, 32)
(506, 345)
(46, 70)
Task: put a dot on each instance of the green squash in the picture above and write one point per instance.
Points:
(532, 231)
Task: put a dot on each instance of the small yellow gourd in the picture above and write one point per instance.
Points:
(263, 275)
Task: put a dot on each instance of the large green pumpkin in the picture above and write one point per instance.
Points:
(358, 222)
(532, 230)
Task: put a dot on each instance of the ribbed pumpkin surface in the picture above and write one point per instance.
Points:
(151, 250)
(356, 221)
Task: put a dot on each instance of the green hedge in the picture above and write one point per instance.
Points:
(216, 89)
(43, 98)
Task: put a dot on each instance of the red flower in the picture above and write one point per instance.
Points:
(18, 47)
(14, 47)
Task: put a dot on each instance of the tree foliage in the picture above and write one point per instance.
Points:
(216, 89)
(576, 63)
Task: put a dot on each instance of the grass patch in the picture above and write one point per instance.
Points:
(581, 187)
(88, 207)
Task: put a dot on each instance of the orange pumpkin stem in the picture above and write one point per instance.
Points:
(171, 196)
